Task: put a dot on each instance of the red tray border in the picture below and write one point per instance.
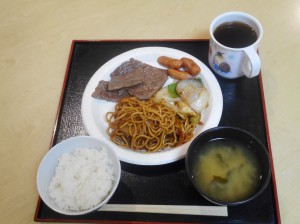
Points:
(37, 219)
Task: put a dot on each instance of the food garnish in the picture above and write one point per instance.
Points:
(172, 90)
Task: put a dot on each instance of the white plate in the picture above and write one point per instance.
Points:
(94, 110)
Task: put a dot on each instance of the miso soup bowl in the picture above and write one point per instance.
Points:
(244, 137)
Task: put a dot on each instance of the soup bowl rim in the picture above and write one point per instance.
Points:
(262, 148)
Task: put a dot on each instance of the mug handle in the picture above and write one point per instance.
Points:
(251, 63)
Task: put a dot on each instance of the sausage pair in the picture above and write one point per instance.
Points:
(190, 67)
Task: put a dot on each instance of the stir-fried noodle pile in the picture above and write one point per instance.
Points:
(147, 125)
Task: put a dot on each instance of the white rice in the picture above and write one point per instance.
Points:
(82, 179)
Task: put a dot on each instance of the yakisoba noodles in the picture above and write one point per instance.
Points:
(147, 125)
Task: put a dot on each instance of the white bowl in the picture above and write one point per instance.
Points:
(48, 164)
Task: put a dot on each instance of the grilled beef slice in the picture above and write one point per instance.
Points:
(127, 80)
(131, 78)
(126, 67)
(102, 93)
(154, 80)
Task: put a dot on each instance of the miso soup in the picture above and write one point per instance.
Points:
(227, 170)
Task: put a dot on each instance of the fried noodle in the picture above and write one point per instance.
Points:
(147, 125)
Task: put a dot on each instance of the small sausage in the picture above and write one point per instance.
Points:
(190, 66)
(170, 62)
(178, 74)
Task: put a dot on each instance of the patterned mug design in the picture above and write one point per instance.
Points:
(220, 63)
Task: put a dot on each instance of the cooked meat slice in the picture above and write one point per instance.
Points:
(129, 79)
(154, 80)
(127, 66)
(102, 93)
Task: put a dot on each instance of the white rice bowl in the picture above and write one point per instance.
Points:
(78, 175)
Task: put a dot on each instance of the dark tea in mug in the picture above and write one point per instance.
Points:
(235, 34)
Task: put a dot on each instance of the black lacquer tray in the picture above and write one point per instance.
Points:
(244, 107)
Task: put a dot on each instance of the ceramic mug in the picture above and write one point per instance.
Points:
(240, 56)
